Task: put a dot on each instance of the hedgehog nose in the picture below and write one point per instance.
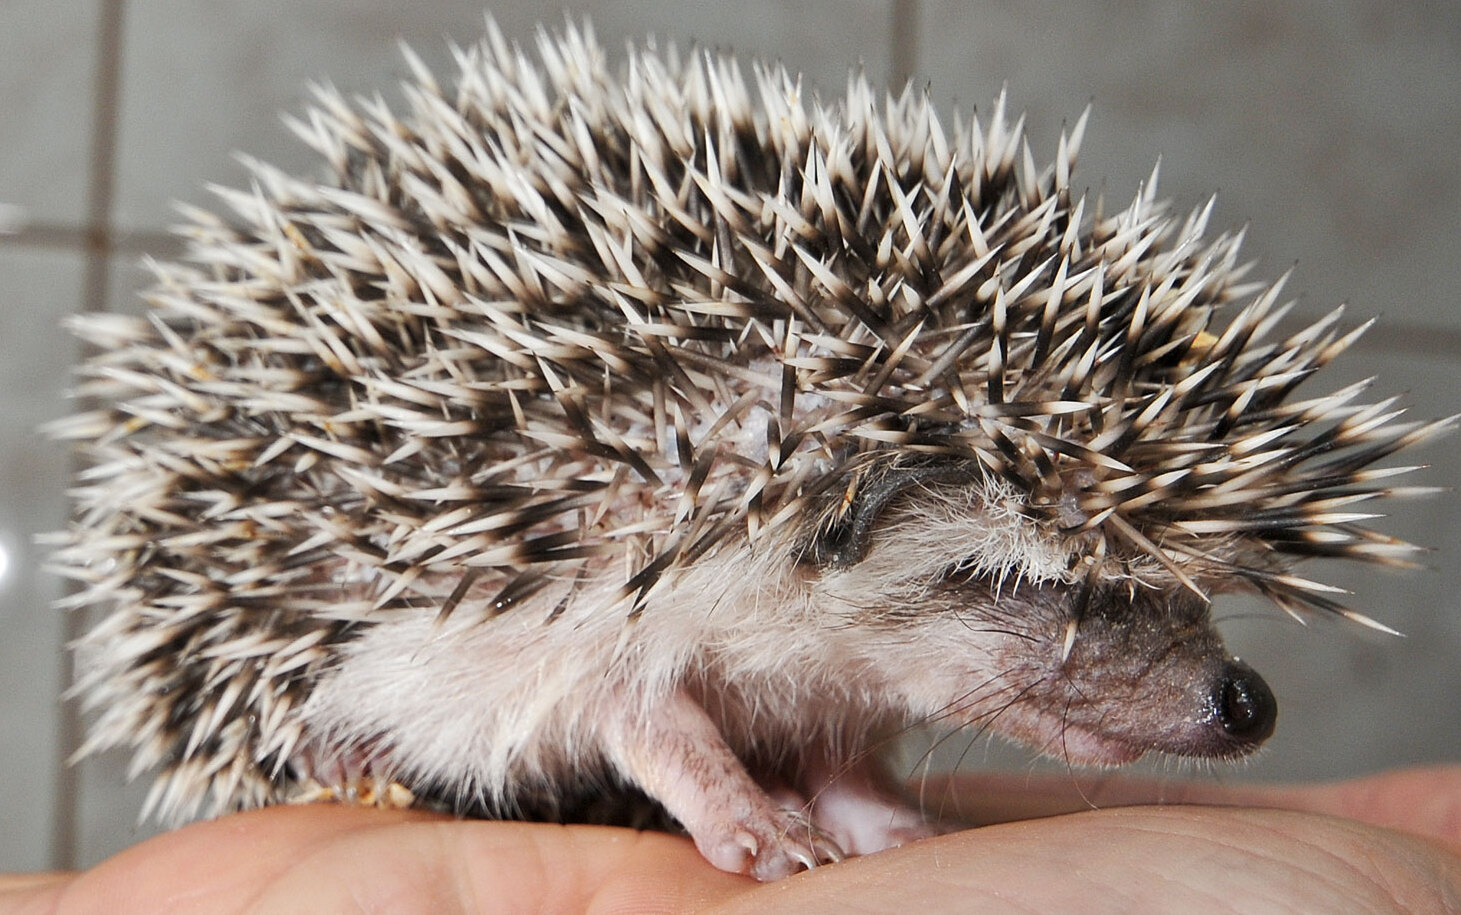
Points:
(1245, 705)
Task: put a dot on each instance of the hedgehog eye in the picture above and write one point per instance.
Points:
(844, 540)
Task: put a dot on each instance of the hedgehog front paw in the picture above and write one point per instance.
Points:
(773, 844)
(677, 756)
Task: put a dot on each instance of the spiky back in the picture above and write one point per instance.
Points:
(564, 319)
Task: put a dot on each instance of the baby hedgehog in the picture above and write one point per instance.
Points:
(590, 436)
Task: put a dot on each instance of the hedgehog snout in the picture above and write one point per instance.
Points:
(1148, 672)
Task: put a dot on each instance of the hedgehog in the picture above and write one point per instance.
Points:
(590, 440)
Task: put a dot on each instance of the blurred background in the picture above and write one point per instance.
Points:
(1331, 128)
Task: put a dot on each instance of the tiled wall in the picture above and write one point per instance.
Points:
(1330, 128)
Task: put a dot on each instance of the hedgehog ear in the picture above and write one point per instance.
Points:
(842, 539)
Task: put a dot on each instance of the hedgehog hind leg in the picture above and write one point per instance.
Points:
(854, 804)
(346, 777)
(362, 792)
(678, 756)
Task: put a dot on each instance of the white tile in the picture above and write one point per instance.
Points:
(107, 817)
(47, 57)
(203, 80)
(129, 276)
(35, 355)
(822, 39)
(1330, 129)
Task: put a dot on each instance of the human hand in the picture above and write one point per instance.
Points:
(1389, 843)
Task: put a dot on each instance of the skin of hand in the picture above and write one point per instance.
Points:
(1386, 843)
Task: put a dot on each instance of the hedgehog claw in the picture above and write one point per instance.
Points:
(777, 844)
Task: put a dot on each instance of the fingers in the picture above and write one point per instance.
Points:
(1423, 801)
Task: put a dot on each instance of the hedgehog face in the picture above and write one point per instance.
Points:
(986, 621)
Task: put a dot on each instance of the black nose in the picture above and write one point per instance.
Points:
(1245, 704)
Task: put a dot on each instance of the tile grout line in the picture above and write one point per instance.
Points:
(98, 238)
(59, 237)
(903, 36)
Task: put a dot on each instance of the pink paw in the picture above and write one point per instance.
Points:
(775, 844)
(864, 819)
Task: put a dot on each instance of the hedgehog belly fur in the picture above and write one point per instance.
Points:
(512, 704)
